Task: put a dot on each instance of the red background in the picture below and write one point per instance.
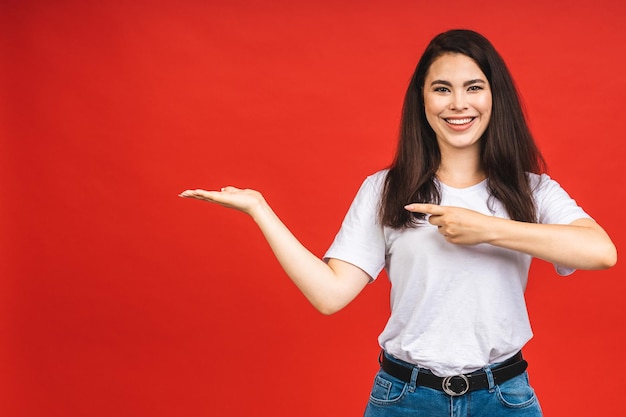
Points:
(118, 298)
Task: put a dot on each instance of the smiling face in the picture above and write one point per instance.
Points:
(457, 102)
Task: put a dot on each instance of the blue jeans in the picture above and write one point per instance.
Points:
(392, 397)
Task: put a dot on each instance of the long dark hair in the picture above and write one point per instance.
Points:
(508, 150)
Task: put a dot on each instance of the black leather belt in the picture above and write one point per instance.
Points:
(458, 384)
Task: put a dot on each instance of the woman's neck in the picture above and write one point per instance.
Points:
(461, 171)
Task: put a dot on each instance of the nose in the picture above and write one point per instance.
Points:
(458, 101)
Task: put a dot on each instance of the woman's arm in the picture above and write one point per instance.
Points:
(328, 286)
(582, 244)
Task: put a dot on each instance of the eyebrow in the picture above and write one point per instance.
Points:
(465, 84)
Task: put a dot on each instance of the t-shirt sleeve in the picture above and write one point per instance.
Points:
(360, 240)
(555, 206)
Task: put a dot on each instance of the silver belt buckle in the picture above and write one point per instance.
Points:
(446, 385)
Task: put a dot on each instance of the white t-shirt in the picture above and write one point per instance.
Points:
(454, 309)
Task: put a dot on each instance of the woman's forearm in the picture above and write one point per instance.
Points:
(582, 244)
(328, 286)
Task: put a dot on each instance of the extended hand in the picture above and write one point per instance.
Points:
(456, 224)
(231, 197)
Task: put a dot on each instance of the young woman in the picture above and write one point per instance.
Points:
(455, 221)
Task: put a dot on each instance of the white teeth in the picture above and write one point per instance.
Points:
(459, 121)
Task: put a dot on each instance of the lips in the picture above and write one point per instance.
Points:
(460, 122)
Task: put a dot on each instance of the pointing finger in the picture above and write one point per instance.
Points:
(425, 208)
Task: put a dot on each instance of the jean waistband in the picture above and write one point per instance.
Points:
(458, 384)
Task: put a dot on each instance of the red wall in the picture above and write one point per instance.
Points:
(117, 298)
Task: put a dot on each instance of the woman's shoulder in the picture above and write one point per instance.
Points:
(376, 180)
(378, 176)
(372, 186)
(542, 184)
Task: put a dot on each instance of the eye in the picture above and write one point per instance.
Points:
(441, 89)
(475, 88)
